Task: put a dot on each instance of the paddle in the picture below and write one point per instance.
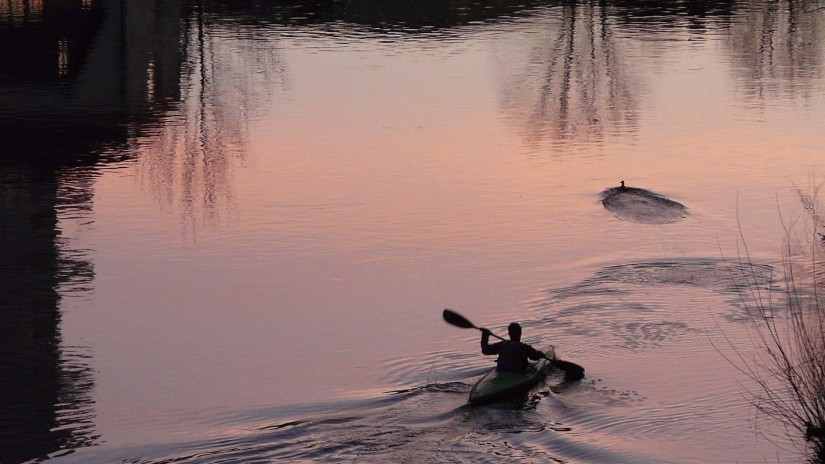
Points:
(572, 371)
(458, 320)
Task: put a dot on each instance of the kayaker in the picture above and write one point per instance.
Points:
(512, 354)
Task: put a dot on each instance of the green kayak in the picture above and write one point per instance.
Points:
(495, 385)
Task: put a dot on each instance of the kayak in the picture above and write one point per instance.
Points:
(495, 385)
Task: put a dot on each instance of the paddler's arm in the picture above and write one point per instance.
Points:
(486, 347)
(535, 354)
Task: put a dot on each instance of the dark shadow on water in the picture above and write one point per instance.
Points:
(373, 16)
(45, 386)
(74, 88)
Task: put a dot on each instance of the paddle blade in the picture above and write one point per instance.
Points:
(572, 371)
(457, 320)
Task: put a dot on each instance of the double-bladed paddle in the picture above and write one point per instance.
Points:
(458, 320)
(572, 371)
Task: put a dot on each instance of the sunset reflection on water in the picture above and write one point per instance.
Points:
(276, 213)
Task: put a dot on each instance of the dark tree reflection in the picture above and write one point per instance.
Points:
(45, 386)
(573, 83)
(187, 161)
(80, 80)
(778, 48)
(658, 18)
(374, 16)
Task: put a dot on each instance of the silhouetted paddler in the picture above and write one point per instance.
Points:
(512, 354)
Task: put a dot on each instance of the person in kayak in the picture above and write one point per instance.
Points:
(512, 354)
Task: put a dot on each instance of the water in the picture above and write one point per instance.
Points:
(229, 231)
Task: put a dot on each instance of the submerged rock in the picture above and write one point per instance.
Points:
(640, 205)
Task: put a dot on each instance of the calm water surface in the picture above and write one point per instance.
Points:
(237, 249)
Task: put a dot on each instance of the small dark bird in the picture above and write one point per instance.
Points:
(622, 187)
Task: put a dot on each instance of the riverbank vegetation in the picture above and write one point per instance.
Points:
(787, 367)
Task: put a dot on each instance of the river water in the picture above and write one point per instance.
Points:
(230, 230)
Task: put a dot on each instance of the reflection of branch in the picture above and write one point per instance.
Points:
(540, 114)
(569, 54)
(778, 48)
(189, 161)
(810, 6)
(584, 92)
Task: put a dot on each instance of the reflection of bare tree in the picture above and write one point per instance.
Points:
(188, 161)
(810, 6)
(777, 47)
(573, 85)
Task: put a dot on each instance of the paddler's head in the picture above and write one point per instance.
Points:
(514, 329)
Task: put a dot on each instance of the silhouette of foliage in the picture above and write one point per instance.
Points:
(787, 370)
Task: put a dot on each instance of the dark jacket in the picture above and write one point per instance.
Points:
(512, 355)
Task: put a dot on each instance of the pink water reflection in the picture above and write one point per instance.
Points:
(285, 247)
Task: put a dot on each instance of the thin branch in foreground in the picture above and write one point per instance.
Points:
(787, 372)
